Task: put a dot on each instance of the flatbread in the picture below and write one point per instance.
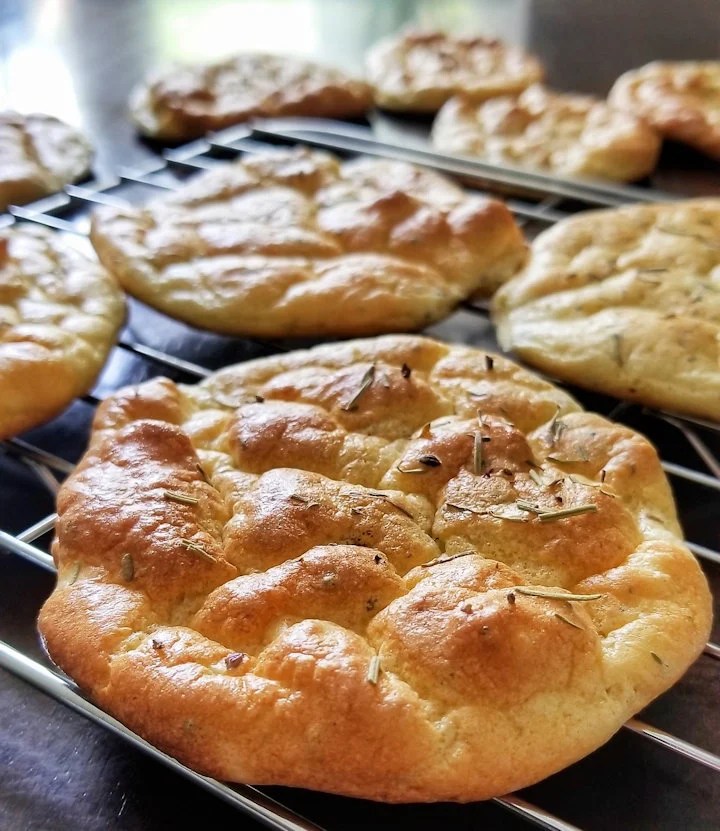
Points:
(185, 102)
(295, 242)
(60, 312)
(680, 99)
(39, 154)
(571, 135)
(625, 301)
(344, 569)
(419, 71)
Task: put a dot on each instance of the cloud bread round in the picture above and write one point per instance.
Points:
(59, 315)
(419, 71)
(679, 99)
(185, 102)
(39, 155)
(625, 301)
(573, 135)
(296, 243)
(393, 568)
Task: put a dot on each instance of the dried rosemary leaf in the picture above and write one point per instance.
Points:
(567, 620)
(374, 669)
(441, 560)
(411, 469)
(489, 363)
(548, 516)
(454, 506)
(76, 574)
(385, 498)
(524, 505)
(365, 384)
(657, 659)
(201, 471)
(430, 461)
(556, 427)
(183, 498)
(617, 349)
(478, 462)
(405, 371)
(127, 568)
(195, 548)
(535, 476)
(555, 595)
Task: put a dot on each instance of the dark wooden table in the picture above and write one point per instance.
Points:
(78, 60)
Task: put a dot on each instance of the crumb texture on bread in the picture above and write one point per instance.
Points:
(625, 301)
(680, 99)
(179, 102)
(344, 569)
(418, 71)
(573, 135)
(60, 312)
(39, 154)
(295, 242)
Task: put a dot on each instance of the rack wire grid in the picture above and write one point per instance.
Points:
(689, 445)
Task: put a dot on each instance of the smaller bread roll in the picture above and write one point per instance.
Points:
(419, 71)
(39, 154)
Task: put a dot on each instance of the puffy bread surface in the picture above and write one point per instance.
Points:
(680, 99)
(340, 569)
(419, 71)
(39, 154)
(60, 312)
(185, 102)
(624, 301)
(573, 135)
(295, 242)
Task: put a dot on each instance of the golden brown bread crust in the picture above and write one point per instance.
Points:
(185, 102)
(353, 608)
(296, 243)
(39, 154)
(680, 99)
(624, 301)
(418, 71)
(573, 135)
(60, 312)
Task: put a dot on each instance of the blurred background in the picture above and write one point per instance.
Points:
(78, 59)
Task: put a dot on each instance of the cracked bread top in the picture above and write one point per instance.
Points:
(390, 568)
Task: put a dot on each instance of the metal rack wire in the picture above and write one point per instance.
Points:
(544, 200)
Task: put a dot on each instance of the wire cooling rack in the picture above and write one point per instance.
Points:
(689, 446)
